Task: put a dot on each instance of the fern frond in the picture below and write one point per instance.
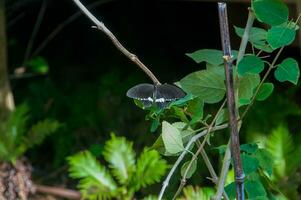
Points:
(121, 156)
(280, 145)
(95, 180)
(191, 193)
(150, 168)
(40, 130)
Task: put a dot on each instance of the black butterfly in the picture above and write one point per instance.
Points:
(150, 94)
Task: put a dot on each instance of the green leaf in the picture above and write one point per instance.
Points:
(38, 65)
(265, 160)
(197, 193)
(250, 163)
(206, 84)
(155, 124)
(211, 56)
(247, 84)
(222, 116)
(190, 171)
(250, 64)
(182, 101)
(121, 156)
(95, 181)
(257, 35)
(265, 91)
(288, 70)
(231, 190)
(40, 130)
(249, 148)
(196, 108)
(150, 168)
(172, 138)
(272, 12)
(279, 36)
(255, 189)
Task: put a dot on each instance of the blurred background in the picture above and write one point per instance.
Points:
(65, 70)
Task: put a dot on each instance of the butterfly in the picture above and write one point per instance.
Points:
(158, 94)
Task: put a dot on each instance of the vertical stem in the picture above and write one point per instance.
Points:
(235, 149)
(6, 97)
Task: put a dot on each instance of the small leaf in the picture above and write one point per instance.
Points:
(250, 163)
(155, 124)
(265, 91)
(197, 193)
(272, 12)
(196, 108)
(38, 65)
(288, 70)
(211, 56)
(255, 189)
(207, 84)
(279, 36)
(249, 148)
(172, 138)
(231, 190)
(257, 35)
(250, 64)
(190, 171)
(222, 117)
(182, 101)
(247, 84)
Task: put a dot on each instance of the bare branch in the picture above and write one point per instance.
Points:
(100, 26)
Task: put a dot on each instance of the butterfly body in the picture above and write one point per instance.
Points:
(160, 95)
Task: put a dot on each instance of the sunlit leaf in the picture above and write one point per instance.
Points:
(288, 70)
(172, 138)
(207, 84)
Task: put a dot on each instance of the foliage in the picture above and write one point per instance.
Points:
(16, 138)
(126, 175)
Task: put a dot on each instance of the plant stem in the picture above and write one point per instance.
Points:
(181, 157)
(235, 145)
(100, 26)
(245, 37)
(58, 191)
(224, 172)
(262, 81)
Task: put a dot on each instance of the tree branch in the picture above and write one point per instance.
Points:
(58, 191)
(181, 157)
(235, 146)
(100, 26)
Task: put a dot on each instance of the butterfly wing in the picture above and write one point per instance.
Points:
(166, 93)
(143, 92)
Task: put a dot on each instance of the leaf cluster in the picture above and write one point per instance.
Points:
(124, 175)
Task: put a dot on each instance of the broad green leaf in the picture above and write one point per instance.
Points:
(255, 189)
(266, 160)
(265, 91)
(172, 138)
(207, 84)
(211, 56)
(264, 47)
(250, 64)
(121, 156)
(272, 12)
(288, 70)
(222, 117)
(250, 163)
(279, 36)
(150, 169)
(94, 177)
(257, 35)
(280, 145)
(196, 108)
(247, 84)
(190, 171)
(249, 148)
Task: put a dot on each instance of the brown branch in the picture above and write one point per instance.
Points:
(58, 191)
(100, 26)
(235, 149)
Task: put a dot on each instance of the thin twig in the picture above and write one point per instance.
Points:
(62, 25)
(272, 65)
(181, 157)
(235, 145)
(195, 156)
(100, 26)
(224, 172)
(35, 30)
(58, 191)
